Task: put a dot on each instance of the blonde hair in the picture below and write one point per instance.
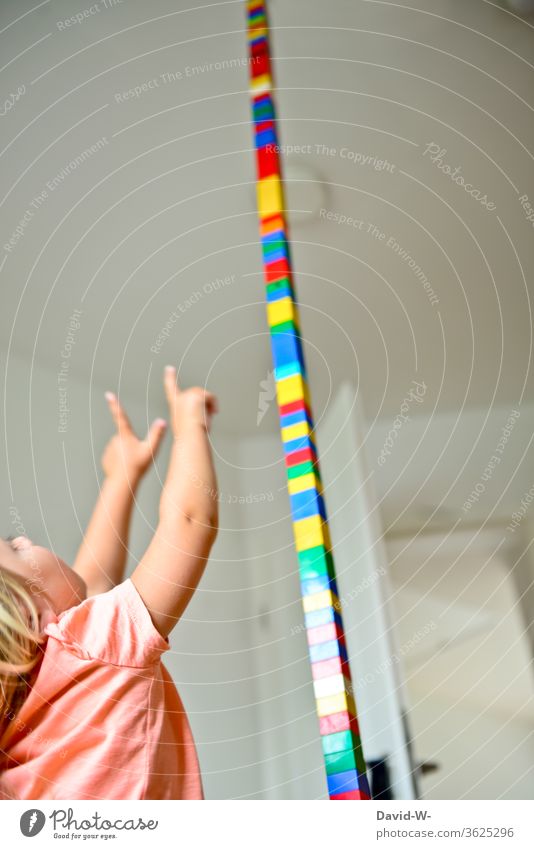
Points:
(20, 639)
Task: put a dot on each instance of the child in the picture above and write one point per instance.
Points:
(88, 709)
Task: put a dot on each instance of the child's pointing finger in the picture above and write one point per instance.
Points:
(170, 382)
(118, 414)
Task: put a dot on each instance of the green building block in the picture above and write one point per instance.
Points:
(341, 741)
(340, 761)
(315, 562)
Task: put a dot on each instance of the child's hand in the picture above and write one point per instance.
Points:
(126, 456)
(194, 405)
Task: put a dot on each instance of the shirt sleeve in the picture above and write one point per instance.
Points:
(113, 627)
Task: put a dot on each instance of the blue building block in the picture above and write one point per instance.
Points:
(307, 503)
(322, 617)
(342, 782)
(324, 651)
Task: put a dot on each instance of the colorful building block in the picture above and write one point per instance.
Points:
(319, 600)
(280, 311)
(303, 483)
(324, 633)
(313, 586)
(334, 722)
(326, 651)
(342, 782)
(330, 686)
(336, 704)
(266, 158)
(338, 742)
(280, 288)
(352, 794)
(330, 666)
(291, 389)
(270, 195)
(310, 532)
(322, 617)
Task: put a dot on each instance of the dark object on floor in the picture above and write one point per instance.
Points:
(380, 780)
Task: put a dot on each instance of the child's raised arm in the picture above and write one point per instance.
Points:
(172, 566)
(101, 559)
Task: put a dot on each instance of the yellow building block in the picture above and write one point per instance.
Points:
(261, 83)
(319, 600)
(256, 32)
(270, 199)
(292, 388)
(336, 704)
(281, 310)
(309, 481)
(310, 532)
(295, 430)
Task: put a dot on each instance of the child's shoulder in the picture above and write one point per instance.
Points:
(112, 627)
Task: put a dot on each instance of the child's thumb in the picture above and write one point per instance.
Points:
(156, 434)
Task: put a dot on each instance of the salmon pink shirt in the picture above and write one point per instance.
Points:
(103, 719)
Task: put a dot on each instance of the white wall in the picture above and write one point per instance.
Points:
(467, 665)
(291, 765)
(481, 756)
